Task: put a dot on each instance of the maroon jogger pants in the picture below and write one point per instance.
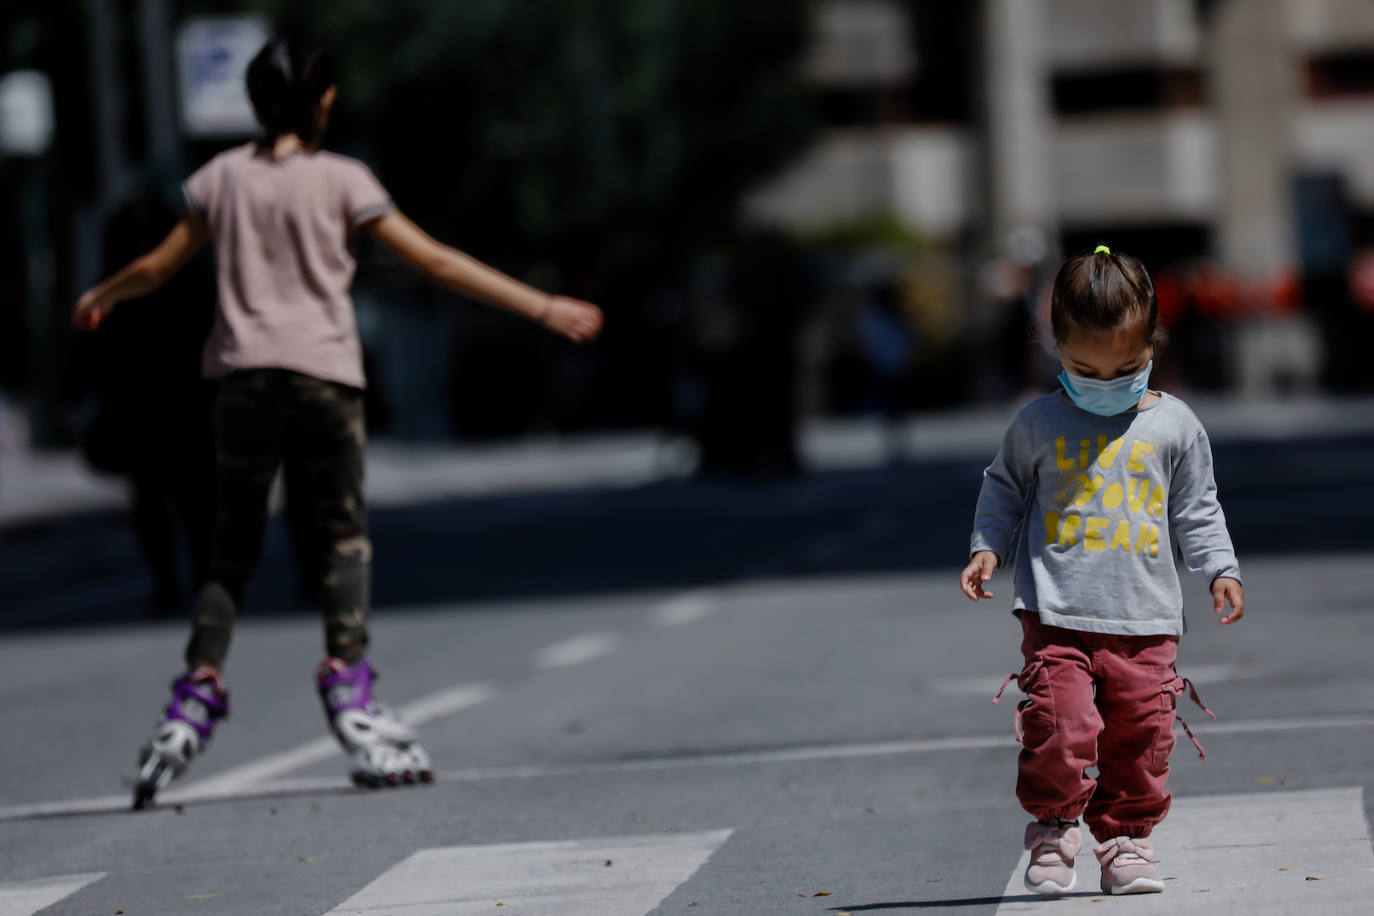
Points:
(1096, 700)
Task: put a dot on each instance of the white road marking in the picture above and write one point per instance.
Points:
(971, 686)
(444, 703)
(237, 780)
(987, 684)
(788, 755)
(576, 651)
(856, 750)
(616, 876)
(24, 898)
(194, 792)
(1249, 855)
(684, 609)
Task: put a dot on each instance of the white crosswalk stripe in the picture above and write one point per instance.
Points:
(1257, 854)
(24, 898)
(615, 876)
(1271, 853)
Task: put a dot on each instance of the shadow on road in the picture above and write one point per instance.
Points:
(957, 902)
(1280, 497)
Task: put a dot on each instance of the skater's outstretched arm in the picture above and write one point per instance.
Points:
(143, 274)
(574, 319)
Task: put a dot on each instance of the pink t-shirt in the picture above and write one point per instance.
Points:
(283, 232)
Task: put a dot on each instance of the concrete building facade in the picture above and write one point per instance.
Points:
(1141, 113)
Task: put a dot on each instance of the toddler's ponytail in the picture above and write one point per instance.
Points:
(1103, 292)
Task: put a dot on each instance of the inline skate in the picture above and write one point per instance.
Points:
(381, 750)
(199, 700)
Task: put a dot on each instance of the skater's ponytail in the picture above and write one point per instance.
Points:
(286, 81)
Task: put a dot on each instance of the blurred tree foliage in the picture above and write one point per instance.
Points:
(555, 119)
(611, 140)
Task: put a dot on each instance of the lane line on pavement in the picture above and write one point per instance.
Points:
(25, 898)
(782, 755)
(683, 609)
(613, 876)
(1261, 854)
(247, 778)
(417, 712)
(576, 651)
(195, 792)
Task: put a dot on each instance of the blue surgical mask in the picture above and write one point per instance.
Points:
(1109, 398)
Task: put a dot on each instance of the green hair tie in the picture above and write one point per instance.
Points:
(1102, 249)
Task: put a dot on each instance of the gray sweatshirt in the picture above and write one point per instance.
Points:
(1090, 511)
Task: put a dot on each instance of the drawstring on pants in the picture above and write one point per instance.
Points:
(1192, 693)
(1020, 707)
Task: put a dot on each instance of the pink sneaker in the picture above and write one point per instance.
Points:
(1126, 866)
(1052, 848)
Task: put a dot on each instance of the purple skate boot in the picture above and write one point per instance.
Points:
(199, 700)
(382, 751)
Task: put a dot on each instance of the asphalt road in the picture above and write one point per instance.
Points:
(681, 698)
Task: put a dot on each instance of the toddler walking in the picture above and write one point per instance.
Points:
(1094, 489)
(284, 216)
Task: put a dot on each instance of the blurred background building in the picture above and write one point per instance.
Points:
(789, 209)
(1223, 142)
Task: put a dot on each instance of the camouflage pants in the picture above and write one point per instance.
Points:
(265, 419)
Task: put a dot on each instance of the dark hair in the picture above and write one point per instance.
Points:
(1104, 292)
(285, 83)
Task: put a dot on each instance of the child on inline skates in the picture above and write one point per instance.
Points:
(283, 215)
(1093, 490)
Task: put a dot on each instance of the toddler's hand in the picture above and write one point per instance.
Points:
(978, 571)
(1225, 590)
(576, 320)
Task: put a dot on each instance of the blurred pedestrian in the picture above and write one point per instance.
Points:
(887, 342)
(284, 216)
(1094, 488)
(151, 423)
